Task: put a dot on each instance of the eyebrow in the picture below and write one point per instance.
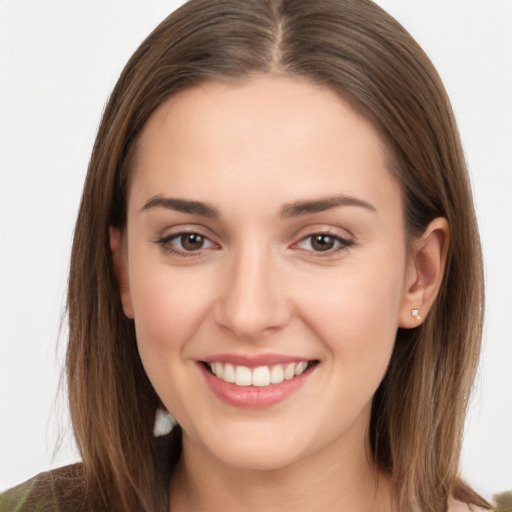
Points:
(182, 205)
(299, 208)
(295, 209)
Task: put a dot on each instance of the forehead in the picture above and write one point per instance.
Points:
(270, 135)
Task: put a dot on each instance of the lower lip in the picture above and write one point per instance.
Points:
(253, 396)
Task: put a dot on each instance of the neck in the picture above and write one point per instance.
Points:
(331, 479)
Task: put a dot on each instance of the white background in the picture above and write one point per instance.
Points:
(59, 61)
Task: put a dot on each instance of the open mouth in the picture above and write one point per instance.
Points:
(261, 376)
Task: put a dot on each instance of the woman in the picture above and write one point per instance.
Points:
(277, 244)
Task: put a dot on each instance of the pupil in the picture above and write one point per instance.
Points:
(192, 241)
(322, 242)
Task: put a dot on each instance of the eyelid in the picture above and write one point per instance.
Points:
(340, 240)
(165, 241)
(343, 242)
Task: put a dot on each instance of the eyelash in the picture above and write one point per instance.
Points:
(166, 244)
(343, 244)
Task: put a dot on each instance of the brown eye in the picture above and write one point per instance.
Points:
(185, 244)
(322, 242)
(191, 241)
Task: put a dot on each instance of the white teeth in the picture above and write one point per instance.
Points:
(299, 370)
(243, 376)
(261, 376)
(289, 371)
(229, 372)
(219, 370)
(276, 374)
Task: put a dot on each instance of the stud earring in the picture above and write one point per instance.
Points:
(416, 314)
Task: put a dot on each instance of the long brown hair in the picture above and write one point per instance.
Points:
(366, 56)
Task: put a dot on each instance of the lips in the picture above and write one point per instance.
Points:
(249, 382)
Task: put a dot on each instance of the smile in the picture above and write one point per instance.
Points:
(261, 376)
(256, 381)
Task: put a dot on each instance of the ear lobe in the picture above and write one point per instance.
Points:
(121, 271)
(425, 273)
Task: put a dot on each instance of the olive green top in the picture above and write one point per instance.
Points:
(52, 491)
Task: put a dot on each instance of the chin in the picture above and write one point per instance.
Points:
(258, 449)
(253, 460)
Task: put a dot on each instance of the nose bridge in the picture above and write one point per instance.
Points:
(252, 299)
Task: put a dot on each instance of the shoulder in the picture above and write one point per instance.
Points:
(59, 490)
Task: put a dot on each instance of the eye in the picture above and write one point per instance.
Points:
(324, 243)
(185, 243)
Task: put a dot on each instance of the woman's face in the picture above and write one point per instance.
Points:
(264, 239)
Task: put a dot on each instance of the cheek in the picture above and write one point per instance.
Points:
(355, 313)
(357, 324)
(168, 308)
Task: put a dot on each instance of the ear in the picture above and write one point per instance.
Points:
(121, 271)
(424, 273)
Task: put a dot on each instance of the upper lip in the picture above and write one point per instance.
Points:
(253, 361)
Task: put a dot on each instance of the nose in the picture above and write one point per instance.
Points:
(253, 299)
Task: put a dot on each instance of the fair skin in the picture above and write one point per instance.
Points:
(263, 281)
